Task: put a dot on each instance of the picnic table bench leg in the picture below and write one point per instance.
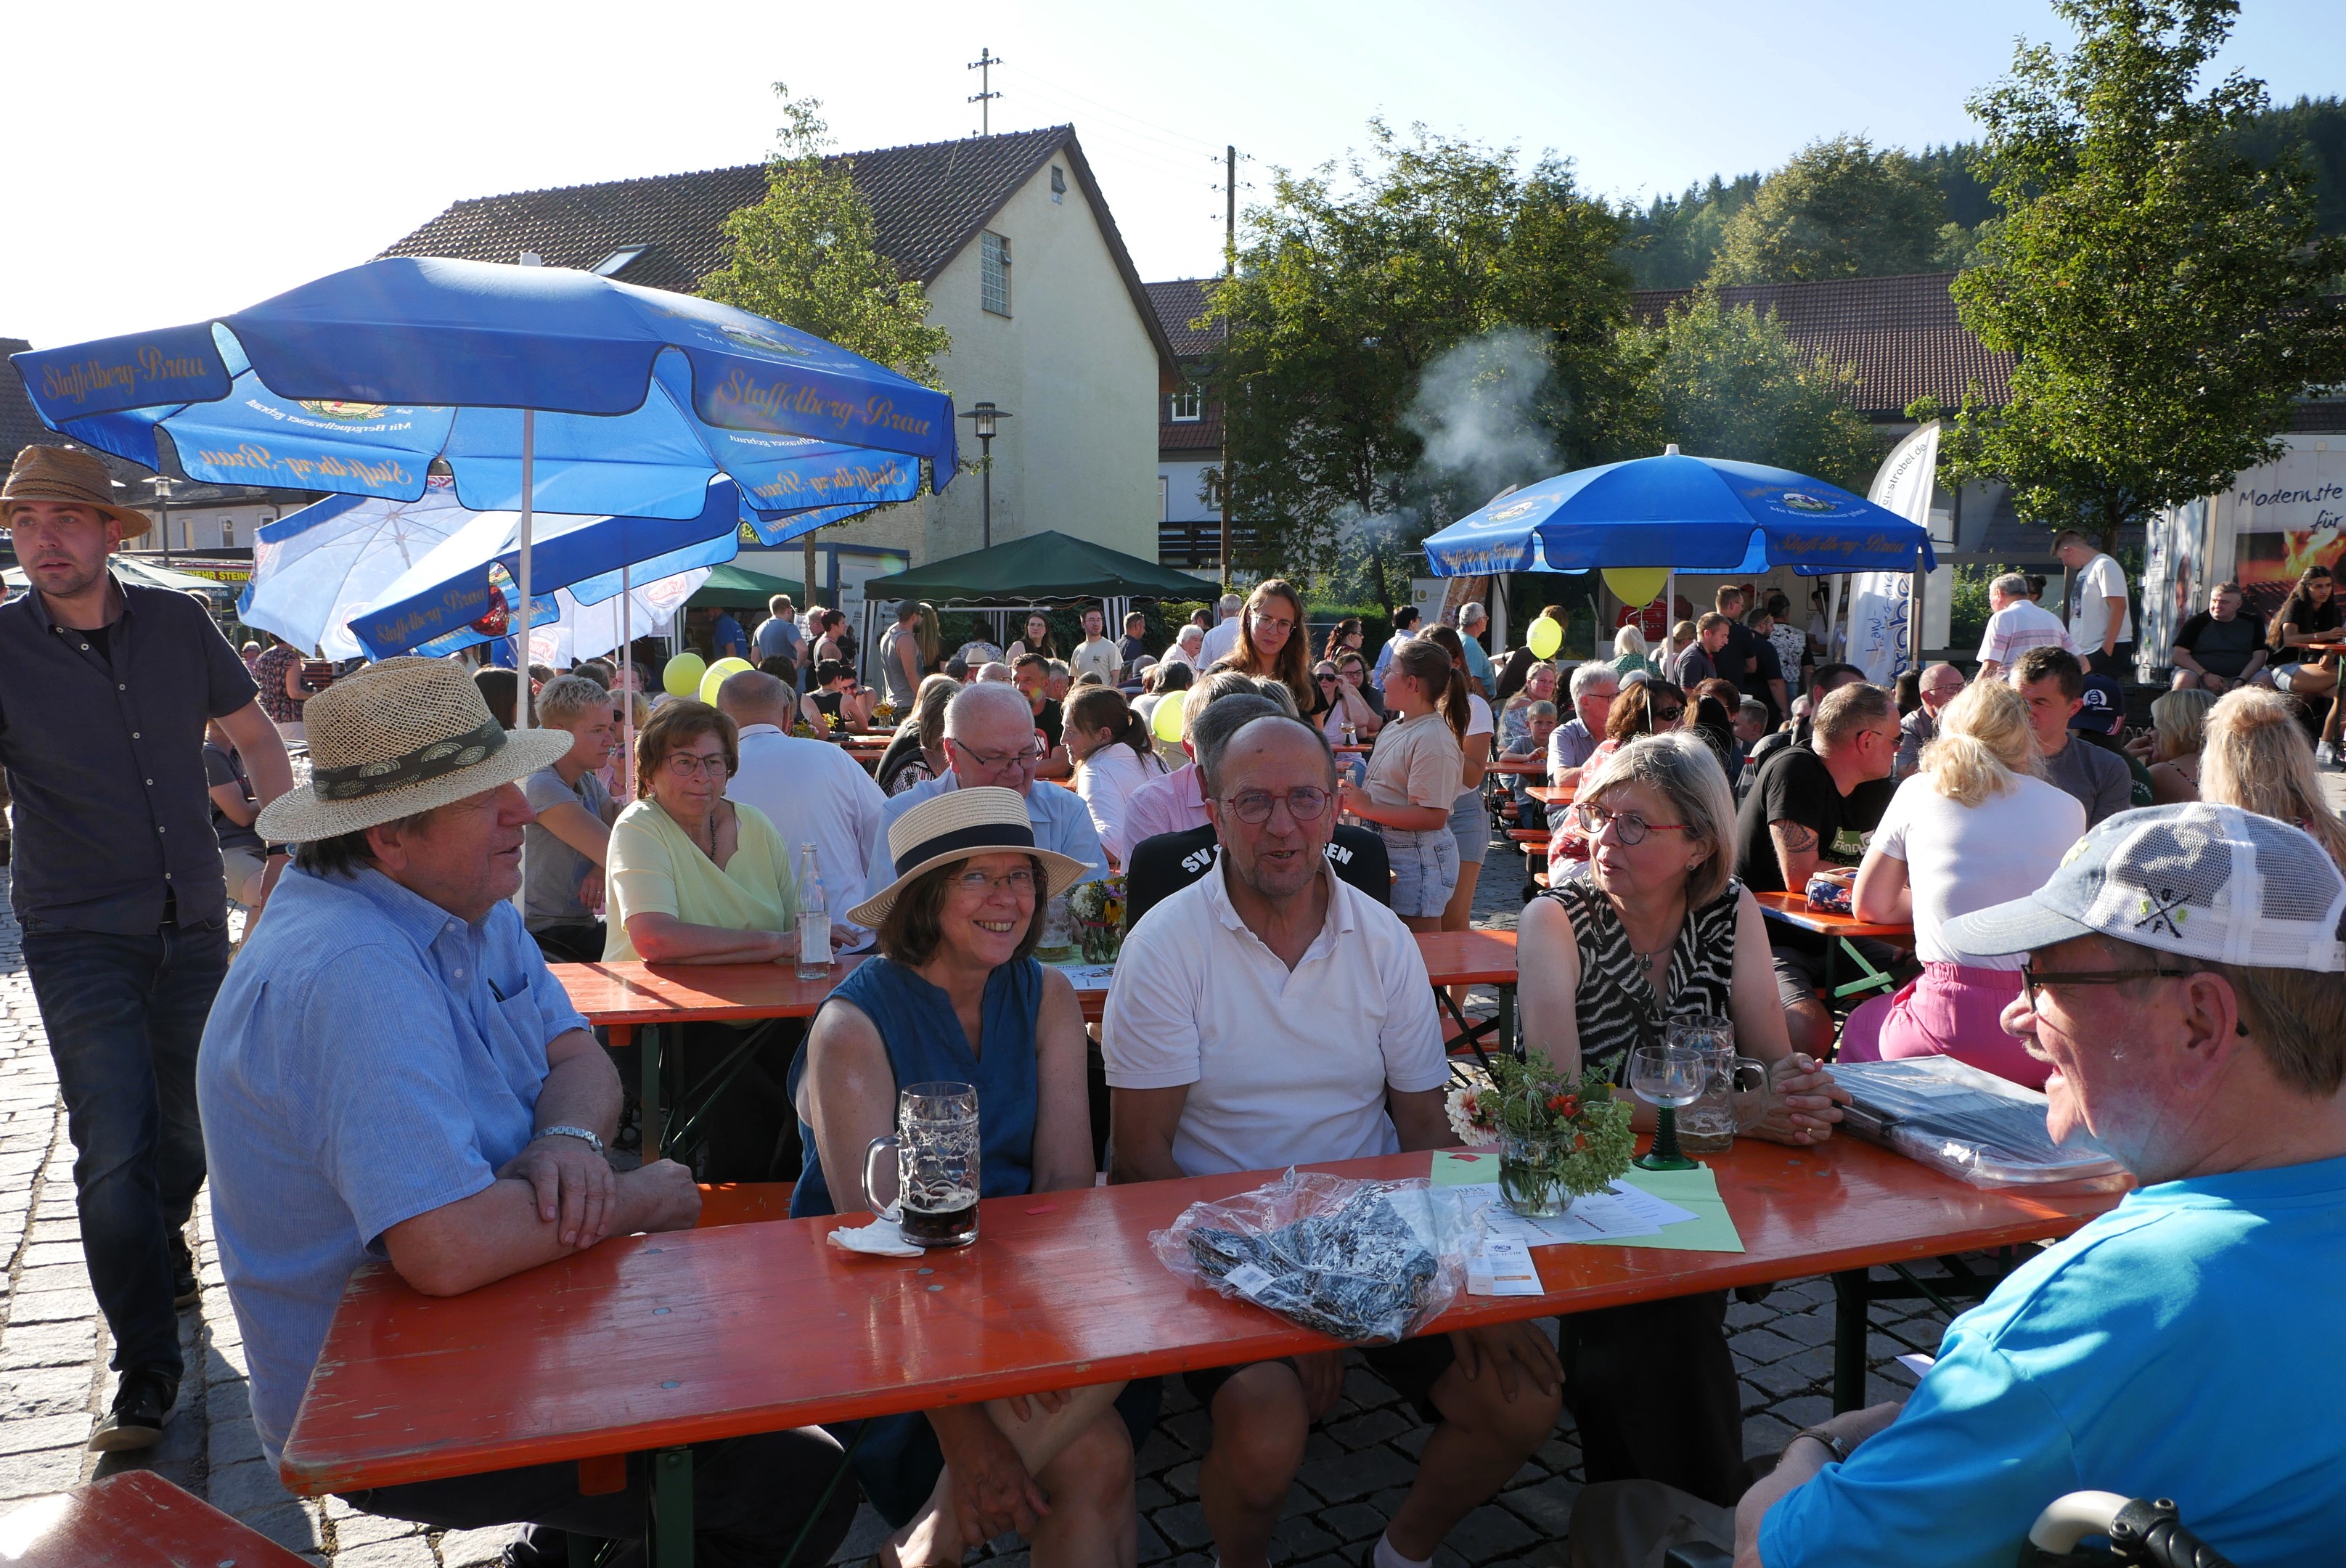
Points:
(667, 1532)
(1507, 1019)
(1850, 1301)
(655, 1124)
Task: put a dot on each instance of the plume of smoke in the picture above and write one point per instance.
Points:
(1476, 411)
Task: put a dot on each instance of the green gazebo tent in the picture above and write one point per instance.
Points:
(735, 585)
(1041, 568)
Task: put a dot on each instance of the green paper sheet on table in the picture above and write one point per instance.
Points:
(1710, 1230)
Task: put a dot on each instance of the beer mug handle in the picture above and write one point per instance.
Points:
(1750, 1094)
(871, 1179)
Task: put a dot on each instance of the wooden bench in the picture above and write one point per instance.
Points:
(134, 1519)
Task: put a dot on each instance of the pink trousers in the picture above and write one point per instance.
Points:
(1950, 1009)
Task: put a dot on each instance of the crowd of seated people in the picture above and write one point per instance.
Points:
(460, 1131)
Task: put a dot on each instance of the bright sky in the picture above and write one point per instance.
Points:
(178, 160)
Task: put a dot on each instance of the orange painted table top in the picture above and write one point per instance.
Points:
(648, 1342)
(628, 994)
(1552, 794)
(133, 1518)
(1530, 765)
(1793, 909)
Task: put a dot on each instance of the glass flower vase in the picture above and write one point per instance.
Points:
(1532, 1180)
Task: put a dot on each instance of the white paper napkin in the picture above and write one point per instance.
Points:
(881, 1238)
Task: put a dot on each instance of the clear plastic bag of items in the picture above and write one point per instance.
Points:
(1366, 1262)
(1955, 1118)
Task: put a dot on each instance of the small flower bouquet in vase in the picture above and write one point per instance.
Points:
(1559, 1137)
(1097, 911)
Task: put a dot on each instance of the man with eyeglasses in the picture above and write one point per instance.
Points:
(2186, 985)
(1269, 1016)
(990, 739)
(1569, 744)
(1802, 800)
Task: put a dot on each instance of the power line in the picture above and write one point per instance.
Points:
(1182, 140)
(985, 94)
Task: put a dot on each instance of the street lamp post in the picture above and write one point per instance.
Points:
(162, 483)
(984, 419)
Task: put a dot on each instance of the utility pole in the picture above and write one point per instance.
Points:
(985, 94)
(1229, 274)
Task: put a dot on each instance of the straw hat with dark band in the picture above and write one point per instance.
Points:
(953, 826)
(399, 738)
(72, 476)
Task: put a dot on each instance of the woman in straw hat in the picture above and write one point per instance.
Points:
(956, 996)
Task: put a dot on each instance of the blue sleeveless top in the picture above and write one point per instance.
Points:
(923, 1039)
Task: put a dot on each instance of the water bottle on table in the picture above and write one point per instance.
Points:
(815, 919)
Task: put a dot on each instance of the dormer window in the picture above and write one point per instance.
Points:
(618, 261)
(1187, 406)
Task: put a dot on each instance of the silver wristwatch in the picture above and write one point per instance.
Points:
(594, 1140)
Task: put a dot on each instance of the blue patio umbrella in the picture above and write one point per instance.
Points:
(535, 389)
(1705, 514)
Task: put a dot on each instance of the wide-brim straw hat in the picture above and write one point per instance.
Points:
(71, 474)
(399, 738)
(953, 826)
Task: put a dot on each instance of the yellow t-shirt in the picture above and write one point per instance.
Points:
(1417, 762)
(655, 868)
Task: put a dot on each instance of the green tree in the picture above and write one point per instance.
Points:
(1729, 383)
(1343, 301)
(808, 255)
(1671, 242)
(1840, 209)
(2160, 289)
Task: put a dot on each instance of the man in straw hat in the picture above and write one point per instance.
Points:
(104, 693)
(2185, 983)
(391, 1071)
(1266, 1015)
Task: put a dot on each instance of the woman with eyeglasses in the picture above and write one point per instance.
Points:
(1413, 782)
(1345, 637)
(1659, 930)
(695, 877)
(1273, 643)
(1339, 687)
(1977, 826)
(1643, 708)
(956, 996)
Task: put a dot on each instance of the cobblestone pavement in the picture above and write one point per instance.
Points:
(53, 1383)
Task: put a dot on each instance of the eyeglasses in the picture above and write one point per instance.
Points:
(977, 884)
(1667, 715)
(1323, 675)
(2031, 978)
(1628, 826)
(1252, 807)
(1000, 759)
(684, 765)
(1279, 622)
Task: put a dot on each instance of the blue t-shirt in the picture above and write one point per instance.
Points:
(370, 1057)
(2185, 1345)
(726, 637)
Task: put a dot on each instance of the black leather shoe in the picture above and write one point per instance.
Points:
(186, 1285)
(140, 1404)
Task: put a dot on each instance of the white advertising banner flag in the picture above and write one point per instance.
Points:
(1880, 603)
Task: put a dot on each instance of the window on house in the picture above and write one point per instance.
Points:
(1058, 184)
(617, 261)
(993, 273)
(227, 533)
(1164, 498)
(1188, 406)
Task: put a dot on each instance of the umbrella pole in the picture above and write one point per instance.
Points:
(627, 686)
(522, 702)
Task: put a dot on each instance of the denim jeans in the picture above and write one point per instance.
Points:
(125, 1015)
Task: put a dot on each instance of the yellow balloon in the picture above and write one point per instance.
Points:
(1546, 637)
(716, 675)
(1165, 723)
(1636, 585)
(682, 676)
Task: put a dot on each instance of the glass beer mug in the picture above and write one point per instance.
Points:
(935, 1145)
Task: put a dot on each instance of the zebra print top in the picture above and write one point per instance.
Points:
(1616, 1007)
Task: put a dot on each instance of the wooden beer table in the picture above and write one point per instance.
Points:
(651, 1343)
(625, 996)
(1839, 930)
(1552, 794)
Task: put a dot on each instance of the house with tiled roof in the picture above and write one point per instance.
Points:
(1023, 265)
(1188, 434)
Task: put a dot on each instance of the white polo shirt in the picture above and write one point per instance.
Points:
(1282, 1066)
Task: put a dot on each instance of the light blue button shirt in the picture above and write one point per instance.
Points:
(370, 1057)
(1063, 824)
(2184, 1345)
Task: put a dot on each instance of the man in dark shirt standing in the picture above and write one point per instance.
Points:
(1798, 806)
(1739, 661)
(1698, 660)
(104, 693)
(2219, 649)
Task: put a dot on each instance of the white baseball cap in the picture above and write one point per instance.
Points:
(2207, 881)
